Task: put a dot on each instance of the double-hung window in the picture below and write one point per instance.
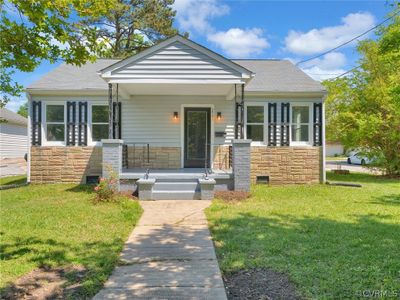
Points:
(99, 122)
(55, 126)
(255, 123)
(300, 124)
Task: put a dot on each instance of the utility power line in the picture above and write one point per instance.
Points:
(348, 42)
(347, 72)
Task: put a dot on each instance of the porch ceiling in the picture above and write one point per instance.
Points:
(131, 89)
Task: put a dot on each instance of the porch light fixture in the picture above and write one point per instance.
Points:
(176, 115)
(219, 116)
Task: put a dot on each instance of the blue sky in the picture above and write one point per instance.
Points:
(293, 30)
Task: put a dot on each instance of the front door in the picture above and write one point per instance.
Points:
(197, 122)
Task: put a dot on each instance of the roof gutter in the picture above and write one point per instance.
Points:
(281, 94)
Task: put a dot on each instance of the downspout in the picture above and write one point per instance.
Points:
(28, 163)
(323, 140)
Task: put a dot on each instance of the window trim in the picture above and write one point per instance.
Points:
(90, 123)
(45, 123)
(265, 106)
(309, 124)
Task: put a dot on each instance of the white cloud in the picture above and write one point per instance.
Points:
(240, 43)
(329, 66)
(195, 16)
(319, 40)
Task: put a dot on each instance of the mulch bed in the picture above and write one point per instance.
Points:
(47, 283)
(232, 196)
(259, 284)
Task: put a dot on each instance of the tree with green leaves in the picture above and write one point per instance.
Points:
(132, 25)
(33, 31)
(23, 110)
(75, 32)
(363, 110)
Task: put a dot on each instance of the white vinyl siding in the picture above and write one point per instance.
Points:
(177, 62)
(13, 141)
(149, 119)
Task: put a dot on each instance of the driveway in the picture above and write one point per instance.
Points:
(11, 167)
(169, 255)
(336, 164)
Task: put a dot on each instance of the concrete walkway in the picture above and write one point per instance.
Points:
(169, 255)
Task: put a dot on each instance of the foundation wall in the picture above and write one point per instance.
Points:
(286, 165)
(65, 164)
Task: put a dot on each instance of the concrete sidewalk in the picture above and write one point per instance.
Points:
(169, 255)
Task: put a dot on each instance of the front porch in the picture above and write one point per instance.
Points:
(177, 107)
(178, 183)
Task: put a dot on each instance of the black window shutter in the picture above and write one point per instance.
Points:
(36, 123)
(71, 122)
(272, 124)
(116, 120)
(317, 124)
(82, 126)
(285, 123)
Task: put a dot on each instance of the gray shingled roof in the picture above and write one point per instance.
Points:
(270, 76)
(11, 117)
(278, 76)
(68, 77)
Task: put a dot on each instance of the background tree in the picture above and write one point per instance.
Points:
(132, 25)
(23, 110)
(363, 110)
(33, 31)
(75, 32)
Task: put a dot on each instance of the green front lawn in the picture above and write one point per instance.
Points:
(19, 179)
(58, 225)
(333, 242)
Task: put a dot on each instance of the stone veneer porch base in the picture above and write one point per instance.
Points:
(286, 165)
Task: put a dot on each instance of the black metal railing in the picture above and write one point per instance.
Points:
(147, 156)
(135, 155)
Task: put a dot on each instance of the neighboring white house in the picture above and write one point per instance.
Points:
(13, 134)
(334, 148)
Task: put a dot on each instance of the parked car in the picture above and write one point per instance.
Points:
(356, 158)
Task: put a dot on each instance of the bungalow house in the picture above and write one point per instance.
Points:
(179, 121)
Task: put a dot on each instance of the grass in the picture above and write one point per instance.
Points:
(58, 225)
(19, 179)
(333, 242)
(336, 158)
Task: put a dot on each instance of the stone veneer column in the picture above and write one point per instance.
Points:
(112, 157)
(241, 164)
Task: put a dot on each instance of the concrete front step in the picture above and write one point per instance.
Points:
(190, 186)
(175, 195)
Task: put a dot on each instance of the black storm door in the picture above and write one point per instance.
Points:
(197, 137)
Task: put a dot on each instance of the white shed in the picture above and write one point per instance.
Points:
(13, 134)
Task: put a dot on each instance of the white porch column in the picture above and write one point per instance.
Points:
(241, 154)
(112, 157)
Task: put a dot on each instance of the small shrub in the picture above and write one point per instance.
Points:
(232, 196)
(106, 190)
